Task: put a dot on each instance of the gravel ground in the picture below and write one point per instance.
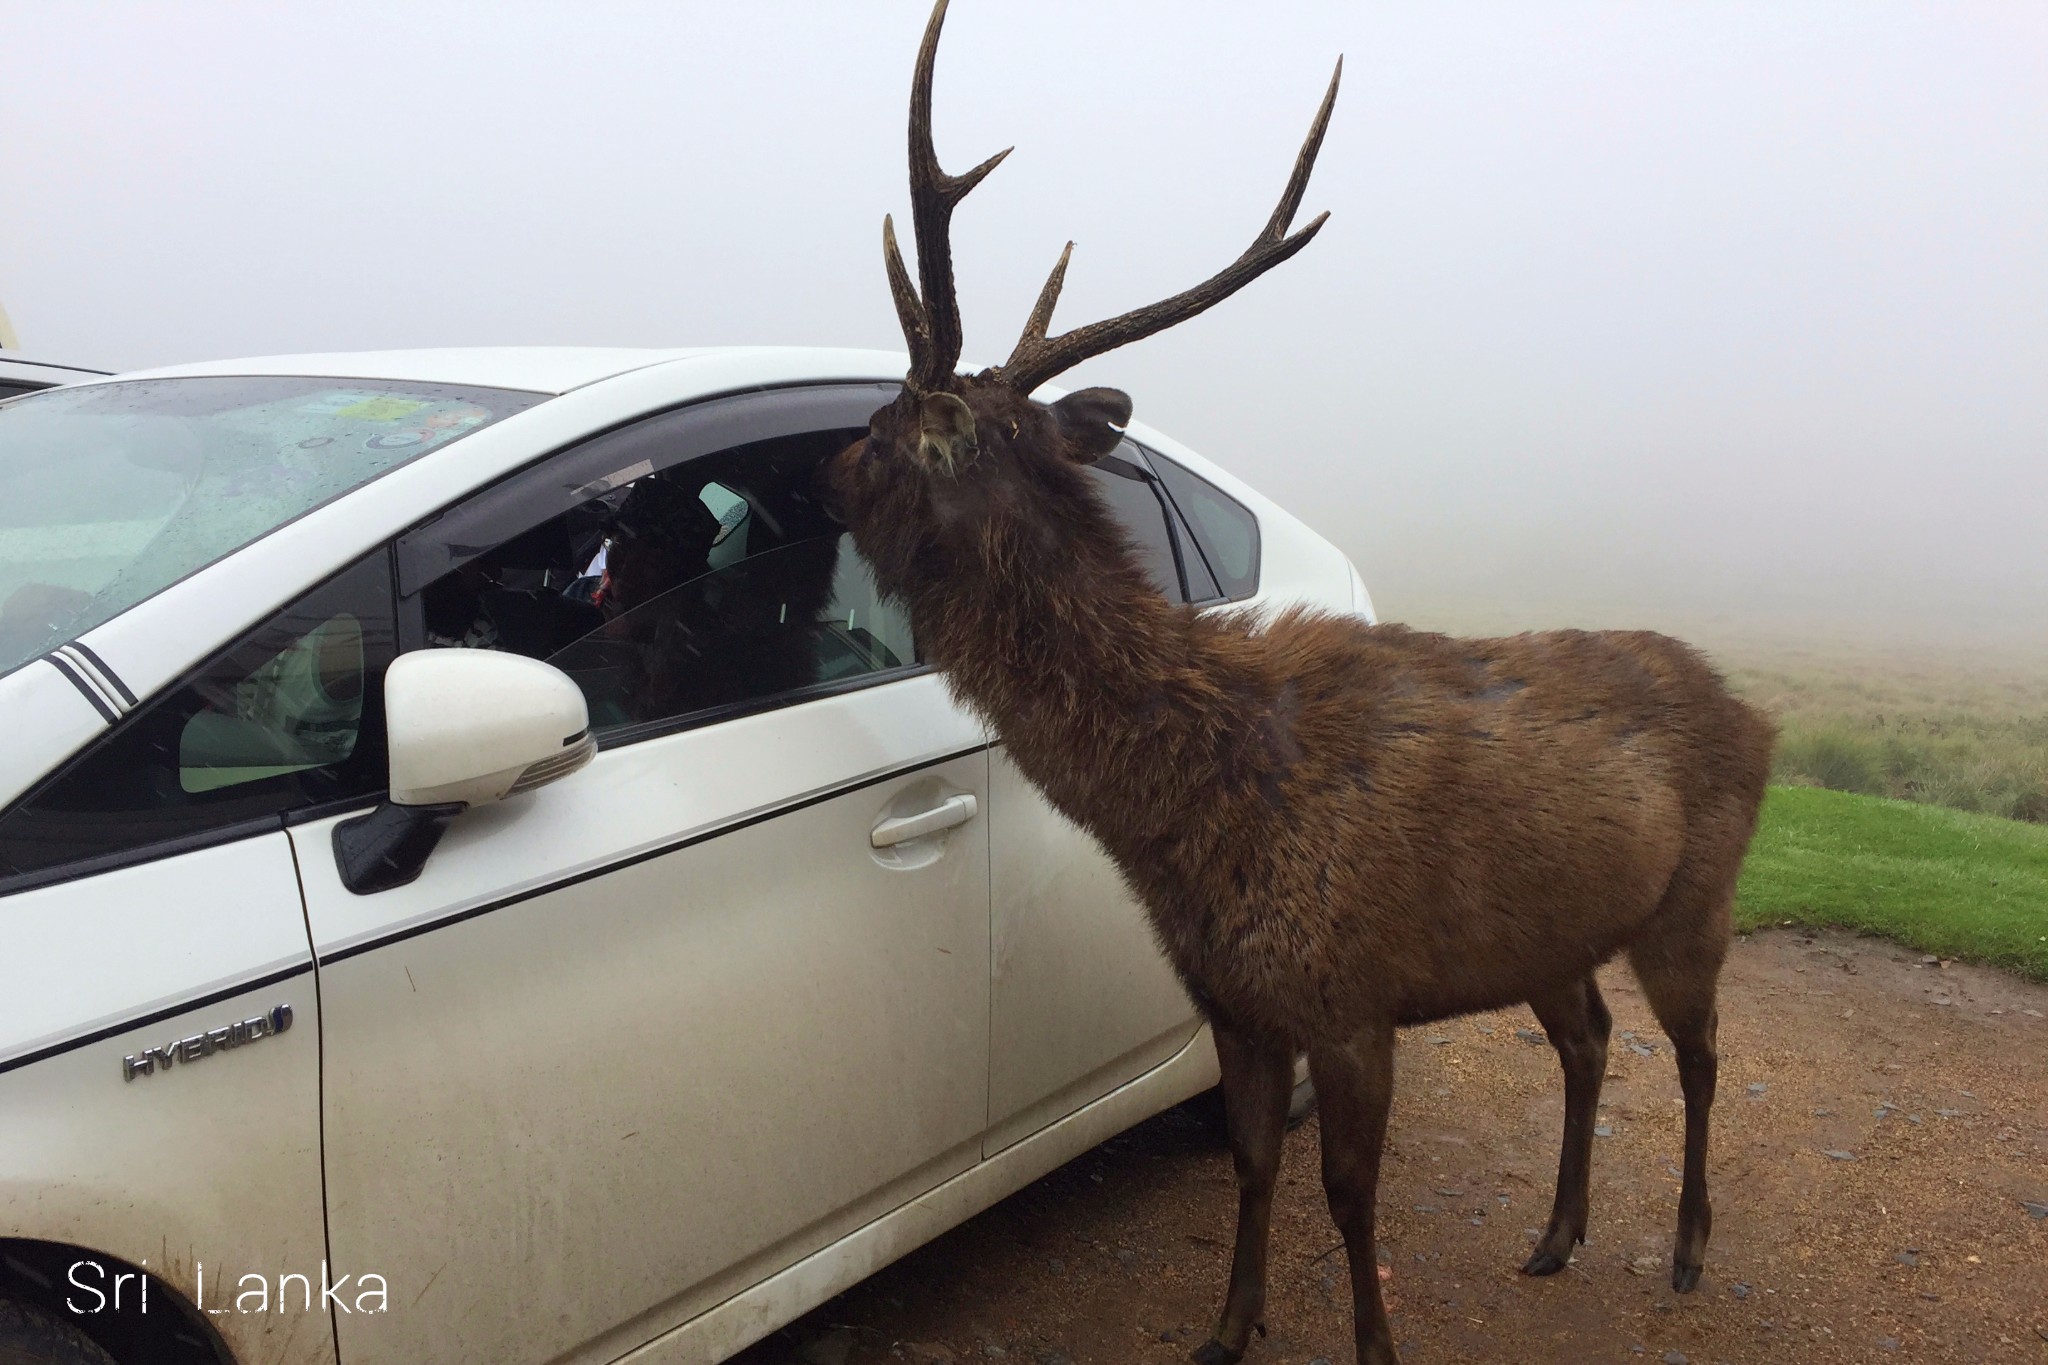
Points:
(1881, 1131)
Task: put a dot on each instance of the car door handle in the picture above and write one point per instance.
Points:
(954, 810)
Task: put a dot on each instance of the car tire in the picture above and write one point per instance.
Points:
(29, 1336)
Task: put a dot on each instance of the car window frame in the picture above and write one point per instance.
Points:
(1184, 526)
(593, 465)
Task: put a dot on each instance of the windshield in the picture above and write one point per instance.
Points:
(110, 493)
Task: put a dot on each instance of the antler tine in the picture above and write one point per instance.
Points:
(933, 193)
(1041, 312)
(917, 328)
(1038, 358)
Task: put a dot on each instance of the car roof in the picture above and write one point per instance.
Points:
(536, 369)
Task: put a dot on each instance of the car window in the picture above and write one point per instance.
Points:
(12, 388)
(111, 492)
(1128, 488)
(1226, 534)
(773, 625)
(677, 579)
(286, 720)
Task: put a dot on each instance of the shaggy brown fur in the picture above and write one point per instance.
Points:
(1336, 828)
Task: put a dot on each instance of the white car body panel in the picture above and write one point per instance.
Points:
(1083, 1001)
(94, 951)
(210, 1166)
(482, 1067)
(782, 1044)
(752, 1314)
(47, 719)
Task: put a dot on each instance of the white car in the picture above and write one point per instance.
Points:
(311, 1050)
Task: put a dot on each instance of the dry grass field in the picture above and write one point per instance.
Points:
(1966, 731)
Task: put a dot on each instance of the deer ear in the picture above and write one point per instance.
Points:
(946, 431)
(1092, 420)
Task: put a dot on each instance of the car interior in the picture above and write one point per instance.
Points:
(698, 587)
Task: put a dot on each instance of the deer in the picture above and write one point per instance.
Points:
(1337, 829)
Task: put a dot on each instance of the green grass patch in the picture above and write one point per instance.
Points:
(1939, 880)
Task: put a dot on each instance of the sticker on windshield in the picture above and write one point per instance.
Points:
(380, 409)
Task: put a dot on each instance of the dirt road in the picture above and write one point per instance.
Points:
(1881, 1133)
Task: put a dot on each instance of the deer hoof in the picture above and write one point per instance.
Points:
(1545, 1263)
(1685, 1278)
(1214, 1352)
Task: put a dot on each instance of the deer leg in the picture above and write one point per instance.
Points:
(1354, 1087)
(1258, 1081)
(1680, 986)
(1577, 1021)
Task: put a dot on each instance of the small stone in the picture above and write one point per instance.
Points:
(1887, 1343)
(1942, 1000)
(1739, 1290)
(1052, 1355)
(1127, 1258)
(1645, 1265)
(1438, 1041)
(1642, 1050)
(1451, 1194)
(929, 1352)
(1948, 1113)
(1055, 1265)
(1757, 1087)
(1674, 1358)
(1908, 1258)
(1603, 1130)
(1839, 1155)
(2033, 1209)
(1823, 1113)
(1427, 1208)
(1913, 1119)
(1929, 960)
(1489, 1033)
(1166, 1337)
(1478, 1222)
(2033, 1014)
(1531, 1036)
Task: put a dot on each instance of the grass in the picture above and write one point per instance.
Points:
(1942, 881)
(1972, 739)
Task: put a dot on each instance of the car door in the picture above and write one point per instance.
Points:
(639, 1039)
(1082, 999)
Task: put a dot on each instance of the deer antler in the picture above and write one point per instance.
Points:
(1038, 357)
(932, 324)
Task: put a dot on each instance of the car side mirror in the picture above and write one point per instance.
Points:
(467, 727)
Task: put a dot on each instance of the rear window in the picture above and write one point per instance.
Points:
(110, 493)
(1226, 533)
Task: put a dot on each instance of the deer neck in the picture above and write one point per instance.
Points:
(1114, 702)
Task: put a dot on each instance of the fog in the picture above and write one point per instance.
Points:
(1686, 315)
